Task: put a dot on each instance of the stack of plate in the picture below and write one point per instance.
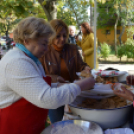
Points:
(100, 91)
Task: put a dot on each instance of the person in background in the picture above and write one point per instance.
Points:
(72, 37)
(12, 44)
(128, 95)
(26, 93)
(8, 43)
(61, 61)
(87, 45)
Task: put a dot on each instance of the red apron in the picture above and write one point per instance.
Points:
(22, 117)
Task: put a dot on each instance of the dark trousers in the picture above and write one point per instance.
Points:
(56, 114)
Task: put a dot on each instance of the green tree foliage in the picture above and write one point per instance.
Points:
(78, 10)
(130, 36)
(105, 50)
(121, 51)
(110, 10)
(129, 44)
(64, 13)
(129, 51)
(12, 11)
(7, 25)
(19, 8)
(72, 12)
(115, 13)
(126, 50)
(107, 14)
(59, 9)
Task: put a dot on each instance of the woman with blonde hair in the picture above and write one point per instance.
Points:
(87, 44)
(61, 61)
(26, 93)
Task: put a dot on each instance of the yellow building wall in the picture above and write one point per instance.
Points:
(109, 38)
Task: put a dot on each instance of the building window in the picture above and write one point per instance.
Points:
(118, 31)
(107, 31)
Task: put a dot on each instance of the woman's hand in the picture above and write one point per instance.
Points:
(86, 84)
(83, 54)
(126, 94)
(76, 38)
(88, 69)
(130, 79)
(60, 79)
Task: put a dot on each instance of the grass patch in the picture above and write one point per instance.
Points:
(113, 59)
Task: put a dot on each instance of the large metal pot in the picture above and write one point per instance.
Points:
(106, 118)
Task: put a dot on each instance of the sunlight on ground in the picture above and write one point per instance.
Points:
(113, 58)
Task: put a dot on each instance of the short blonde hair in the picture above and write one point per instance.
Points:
(58, 25)
(32, 28)
(72, 27)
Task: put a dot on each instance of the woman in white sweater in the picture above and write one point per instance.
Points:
(25, 92)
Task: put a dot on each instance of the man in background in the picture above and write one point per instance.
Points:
(72, 35)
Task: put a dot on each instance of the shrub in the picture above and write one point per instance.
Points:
(121, 51)
(129, 41)
(129, 51)
(105, 50)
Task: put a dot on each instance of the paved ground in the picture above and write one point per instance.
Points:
(122, 67)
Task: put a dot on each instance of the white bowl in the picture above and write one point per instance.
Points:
(106, 118)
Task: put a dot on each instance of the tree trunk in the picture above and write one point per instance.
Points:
(123, 25)
(115, 34)
(50, 9)
(122, 32)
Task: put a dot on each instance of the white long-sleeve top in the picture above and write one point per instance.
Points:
(21, 77)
